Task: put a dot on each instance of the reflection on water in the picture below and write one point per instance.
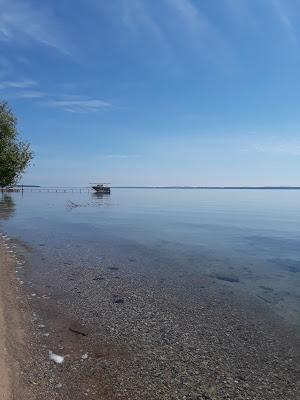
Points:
(7, 206)
(104, 197)
(98, 199)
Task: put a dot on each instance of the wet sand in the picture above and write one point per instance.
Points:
(128, 335)
(14, 344)
(5, 371)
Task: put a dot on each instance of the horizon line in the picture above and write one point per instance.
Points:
(168, 187)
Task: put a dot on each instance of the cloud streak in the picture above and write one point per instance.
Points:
(81, 105)
(29, 90)
(17, 84)
(136, 17)
(119, 156)
(31, 94)
(289, 148)
(22, 23)
(245, 12)
(161, 22)
(285, 20)
(190, 14)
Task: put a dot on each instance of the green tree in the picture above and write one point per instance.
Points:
(15, 155)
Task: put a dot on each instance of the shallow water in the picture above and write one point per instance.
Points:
(247, 239)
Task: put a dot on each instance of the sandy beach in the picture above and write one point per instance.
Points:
(5, 367)
(125, 337)
(18, 349)
(13, 319)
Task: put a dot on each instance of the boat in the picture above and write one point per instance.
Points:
(101, 187)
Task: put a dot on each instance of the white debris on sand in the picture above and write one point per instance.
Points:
(56, 358)
(84, 356)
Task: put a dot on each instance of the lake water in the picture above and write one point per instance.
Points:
(246, 239)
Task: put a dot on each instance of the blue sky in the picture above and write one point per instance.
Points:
(155, 92)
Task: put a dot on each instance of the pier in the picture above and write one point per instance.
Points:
(49, 189)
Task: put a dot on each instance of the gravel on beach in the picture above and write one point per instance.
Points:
(126, 336)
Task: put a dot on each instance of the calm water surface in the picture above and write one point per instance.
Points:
(249, 239)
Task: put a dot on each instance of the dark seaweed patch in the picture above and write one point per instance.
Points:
(287, 264)
(226, 278)
(266, 288)
(268, 243)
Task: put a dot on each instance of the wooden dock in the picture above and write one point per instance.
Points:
(49, 189)
(59, 189)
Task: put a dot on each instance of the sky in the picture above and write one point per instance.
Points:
(155, 92)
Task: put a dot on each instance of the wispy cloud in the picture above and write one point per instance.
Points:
(190, 116)
(17, 84)
(136, 16)
(204, 37)
(23, 89)
(190, 14)
(30, 94)
(290, 148)
(139, 15)
(31, 90)
(21, 22)
(259, 16)
(6, 66)
(241, 13)
(119, 156)
(81, 105)
(161, 23)
(285, 20)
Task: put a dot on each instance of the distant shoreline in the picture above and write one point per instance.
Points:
(88, 188)
(213, 187)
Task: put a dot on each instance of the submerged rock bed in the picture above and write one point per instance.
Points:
(127, 336)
